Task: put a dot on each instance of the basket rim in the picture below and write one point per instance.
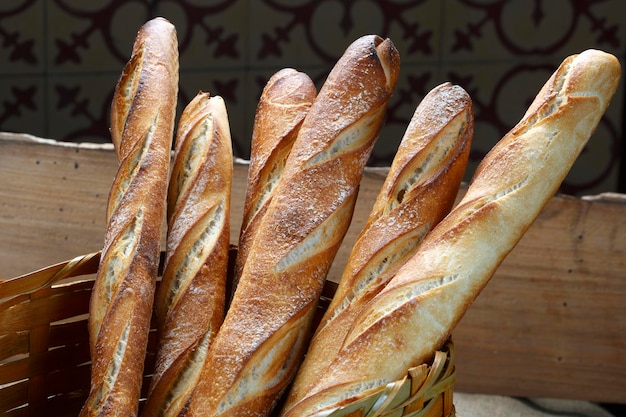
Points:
(416, 393)
(49, 275)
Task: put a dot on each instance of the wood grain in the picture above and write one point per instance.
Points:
(551, 322)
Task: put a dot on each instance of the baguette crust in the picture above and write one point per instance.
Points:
(190, 301)
(416, 312)
(420, 189)
(260, 344)
(122, 297)
(285, 101)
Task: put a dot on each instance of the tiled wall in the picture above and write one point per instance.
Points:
(60, 60)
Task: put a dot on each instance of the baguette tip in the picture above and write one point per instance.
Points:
(389, 59)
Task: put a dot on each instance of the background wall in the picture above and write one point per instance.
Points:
(60, 60)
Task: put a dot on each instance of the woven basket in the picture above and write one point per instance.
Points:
(45, 364)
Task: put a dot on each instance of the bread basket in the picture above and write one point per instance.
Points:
(45, 365)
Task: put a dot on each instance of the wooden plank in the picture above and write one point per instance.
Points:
(551, 323)
(53, 202)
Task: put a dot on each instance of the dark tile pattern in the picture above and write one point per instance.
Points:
(60, 60)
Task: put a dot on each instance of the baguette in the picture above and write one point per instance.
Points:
(191, 298)
(284, 102)
(420, 189)
(416, 312)
(262, 339)
(122, 298)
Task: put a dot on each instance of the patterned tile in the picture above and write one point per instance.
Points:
(78, 107)
(210, 34)
(499, 51)
(305, 34)
(285, 38)
(91, 37)
(516, 30)
(22, 37)
(23, 105)
(415, 28)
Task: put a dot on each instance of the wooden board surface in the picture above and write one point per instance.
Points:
(551, 322)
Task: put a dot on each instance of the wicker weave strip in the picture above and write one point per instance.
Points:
(81, 265)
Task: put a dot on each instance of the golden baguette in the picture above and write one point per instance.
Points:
(123, 293)
(284, 102)
(416, 312)
(420, 189)
(191, 298)
(261, 342)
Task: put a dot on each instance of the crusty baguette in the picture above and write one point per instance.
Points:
(261, 341)
(284, 102)
(416, 312)
(190, 300)
(420, 189)
(123, 293)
